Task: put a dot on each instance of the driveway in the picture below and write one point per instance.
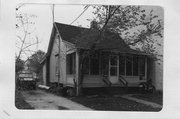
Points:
(39, 99)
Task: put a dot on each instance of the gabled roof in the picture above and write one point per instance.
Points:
(69, 32)
(84, 37)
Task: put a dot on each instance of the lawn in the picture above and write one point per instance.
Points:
(152, 97)
(110, 103)
(20, 103)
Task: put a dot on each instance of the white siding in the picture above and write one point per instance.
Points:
(53, 59)
(96, 81)
(155, 72)
(158, 82)
(63, 63)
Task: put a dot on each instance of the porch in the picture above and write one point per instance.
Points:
(107, 67)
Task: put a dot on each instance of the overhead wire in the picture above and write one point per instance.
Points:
(86, 7)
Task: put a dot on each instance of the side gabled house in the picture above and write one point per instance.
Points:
(113, 62)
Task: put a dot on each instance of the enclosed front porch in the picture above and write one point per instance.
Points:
(107, 68)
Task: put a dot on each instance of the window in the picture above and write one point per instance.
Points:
(141, 66)
(70, 61)
(57, 67)
(135, 66)
(105, 64)
(91, 65)
(121, 65)
(131, 65)
(129, 62)
(94, 65)
(86, 66)
(113, 65)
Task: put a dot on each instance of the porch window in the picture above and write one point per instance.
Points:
(129, 62)
(86, 66)
(122, 65)
(91, 65)
(113, 65)
(94, 65)
(131, 65)
(70, 61)
(105, 64)
(141, 66)
(135, 66)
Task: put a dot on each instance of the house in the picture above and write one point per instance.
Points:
(113, 63)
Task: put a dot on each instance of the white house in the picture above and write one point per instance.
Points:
(112, 58)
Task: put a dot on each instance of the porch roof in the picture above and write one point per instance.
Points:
(83, 38)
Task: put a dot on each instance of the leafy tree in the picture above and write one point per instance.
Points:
(19, 65)
(34, 60)
(133, 23)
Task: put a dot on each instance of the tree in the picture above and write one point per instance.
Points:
(139, 27)
(24, 33)
(19, 65)
(34, 61)
(25, 40)
(96, 34)
(122, 20)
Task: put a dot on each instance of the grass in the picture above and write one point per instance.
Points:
(152, 97)
(20, 103)
(112, 104)
(108, 100)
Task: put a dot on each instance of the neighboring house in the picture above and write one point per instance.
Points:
(113, 59)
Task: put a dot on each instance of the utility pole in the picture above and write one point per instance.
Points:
(55, 27)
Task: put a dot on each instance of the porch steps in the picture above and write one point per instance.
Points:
(123, 81)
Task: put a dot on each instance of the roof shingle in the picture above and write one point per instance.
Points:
(84, 37)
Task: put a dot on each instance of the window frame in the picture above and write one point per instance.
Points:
(114, 66)
(89, 65)
(133, 61)
(72, 64)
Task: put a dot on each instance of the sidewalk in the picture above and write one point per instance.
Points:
(43, 100)
(154, 105)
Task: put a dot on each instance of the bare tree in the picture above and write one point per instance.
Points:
(98, 36)
(25, 40)
(24, 33)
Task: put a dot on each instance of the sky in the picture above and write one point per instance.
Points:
(62, 14)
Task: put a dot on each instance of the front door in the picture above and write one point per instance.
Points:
(113, 68)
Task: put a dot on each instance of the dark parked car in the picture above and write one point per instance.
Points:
(26, 81)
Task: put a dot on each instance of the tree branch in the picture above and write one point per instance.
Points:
(109, 16)
(30, 45)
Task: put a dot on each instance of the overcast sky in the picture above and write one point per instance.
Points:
(63, 14)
